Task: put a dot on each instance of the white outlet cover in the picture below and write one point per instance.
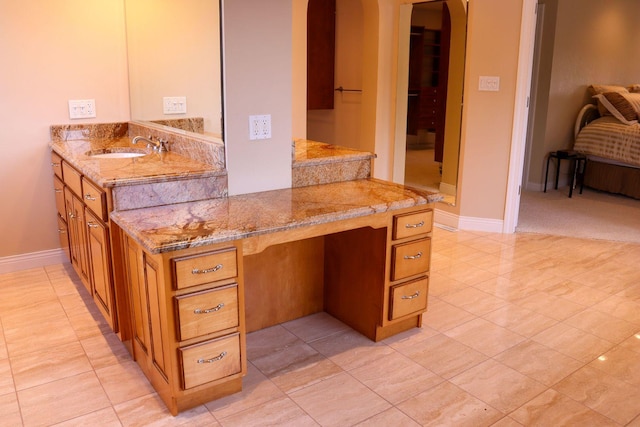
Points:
(260, 127)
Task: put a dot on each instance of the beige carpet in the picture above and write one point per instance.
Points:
(593, 214)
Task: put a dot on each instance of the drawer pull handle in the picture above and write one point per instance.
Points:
(55, 164)
(209, 310)
(415, 295)
(418, 225)
(92, 225)
(416, 256)
(213, 360)
(61, 230)
(88, 196)
(206, 270)
(57, 190)
(71, 215)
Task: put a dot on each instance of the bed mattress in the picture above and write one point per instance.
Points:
(608, 138)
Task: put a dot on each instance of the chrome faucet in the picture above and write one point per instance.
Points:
(159, 146)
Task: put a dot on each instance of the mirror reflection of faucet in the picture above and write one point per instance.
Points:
(159, 146)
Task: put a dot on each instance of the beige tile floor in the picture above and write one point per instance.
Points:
(522, 329)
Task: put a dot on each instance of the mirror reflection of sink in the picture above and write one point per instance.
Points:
(117, 153)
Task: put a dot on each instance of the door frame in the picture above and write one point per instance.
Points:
(521, 114)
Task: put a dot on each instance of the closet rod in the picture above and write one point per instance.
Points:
(341, 89)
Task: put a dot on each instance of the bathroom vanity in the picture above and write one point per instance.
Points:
(191, 278)
(203, 274)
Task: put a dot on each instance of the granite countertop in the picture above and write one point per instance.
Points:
(185, 225)
(309, 152)
(153, 167)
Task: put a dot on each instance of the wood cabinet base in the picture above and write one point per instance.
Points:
(190, 315)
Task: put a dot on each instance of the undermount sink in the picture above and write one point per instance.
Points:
(117, 153)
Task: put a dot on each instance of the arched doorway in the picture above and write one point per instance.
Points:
(452, 105)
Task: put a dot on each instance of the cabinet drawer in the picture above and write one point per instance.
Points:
(409, 259)
(208, 311)
(72, 178)
(56, 164)
(210, 360)
(408, 298)
(95, 199)
(412, 224)
(58, 188)
(204, 268)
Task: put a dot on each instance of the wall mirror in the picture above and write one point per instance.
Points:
(173, 49)
(430, 87)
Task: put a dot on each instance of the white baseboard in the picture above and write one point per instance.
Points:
(10, 264)
(453, 222)
(446, 220)
(480, 224)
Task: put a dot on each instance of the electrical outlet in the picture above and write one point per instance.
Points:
(260, 127)
(489, 83)
(82, 108)
(174, 105)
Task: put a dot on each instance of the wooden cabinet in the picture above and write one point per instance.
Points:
(58, 188)
(321, 51)
(372, 275)
(77, 239)
(189, 314)
(83, 221)
(188, 321)
(410, 263)
(100, 256)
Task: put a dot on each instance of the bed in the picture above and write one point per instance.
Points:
(611, 142)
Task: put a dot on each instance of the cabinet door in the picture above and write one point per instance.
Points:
(100, 259)
(154, 283)
(139, 302)
(321, 34)
(77, 242)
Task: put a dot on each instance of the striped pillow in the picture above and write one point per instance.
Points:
(634, 100)
(619, 106)
(600, 89)
(634, 88)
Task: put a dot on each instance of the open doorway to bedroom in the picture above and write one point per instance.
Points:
(567, 42)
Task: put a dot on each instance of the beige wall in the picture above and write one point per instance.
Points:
(51, 52)
(257, 76)
(48, 67)
(594, 42)
(492, 50)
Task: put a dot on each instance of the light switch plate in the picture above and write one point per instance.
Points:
(82, 108)
(174, 105)
(489, 83)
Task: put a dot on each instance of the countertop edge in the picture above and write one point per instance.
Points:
(412, 199)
